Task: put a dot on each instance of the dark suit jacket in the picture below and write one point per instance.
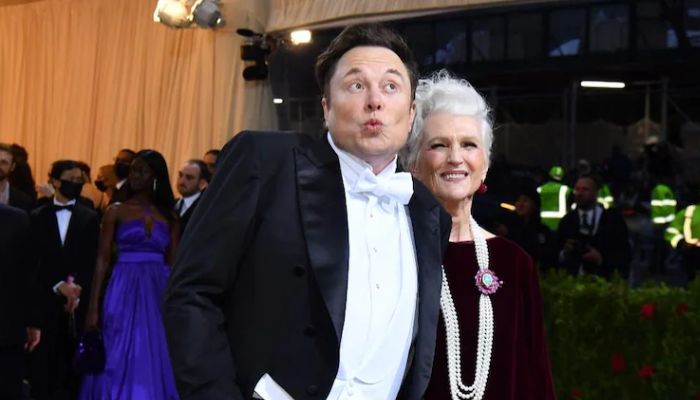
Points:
(18, 277)
(611, 240)
(75, 257)
(19, 199)
(188, 214)
(260, 282)
(120, 195)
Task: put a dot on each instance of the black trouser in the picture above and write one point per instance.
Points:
(691, 261)
(11, 372)
(51, 374)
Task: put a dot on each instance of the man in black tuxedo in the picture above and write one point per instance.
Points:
(592, 239)
(191, 181)
(19, 330)
(311, 268)
(65, 236)
(122, 163)
(10, 195)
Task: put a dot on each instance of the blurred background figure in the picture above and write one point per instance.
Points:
(592, 239)
(210, 158)
(122, 162)
(191, 181)
(9, 194)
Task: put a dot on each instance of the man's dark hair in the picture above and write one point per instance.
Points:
(19, 153)
(85, 168)
(60, 166)
(363, 35)
(203, 170)
(133, 153)
(597, 181)
(214, 152)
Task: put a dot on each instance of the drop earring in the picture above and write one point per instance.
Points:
(154, 184)
(482, 188)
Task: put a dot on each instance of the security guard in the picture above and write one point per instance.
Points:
(684, 235)
(554, 197)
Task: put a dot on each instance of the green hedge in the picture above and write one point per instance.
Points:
(607, 341)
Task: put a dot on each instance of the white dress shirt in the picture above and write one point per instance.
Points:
(381, 292)
(63, 220)
(186, 202)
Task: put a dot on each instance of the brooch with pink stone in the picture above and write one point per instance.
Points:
(487, 282)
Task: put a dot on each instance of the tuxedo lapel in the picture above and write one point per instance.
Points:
(51, 225)
(425, 220)
(325, 224)
(74, 226)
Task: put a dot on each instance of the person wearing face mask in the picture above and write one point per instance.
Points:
(122, 162)
(64, 241)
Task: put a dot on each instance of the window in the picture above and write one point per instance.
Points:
(451, 38)
(653, 30)
(609, 28)
(487, 39)
(524, 36)
(420, 37)
(692, 22)
(566, 32)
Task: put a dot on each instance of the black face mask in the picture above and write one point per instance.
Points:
(121, 170)
(70, 189)
(100, 185)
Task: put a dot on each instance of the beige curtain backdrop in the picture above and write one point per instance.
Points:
(81, 79)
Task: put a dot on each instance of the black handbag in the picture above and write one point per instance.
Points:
(89, 357)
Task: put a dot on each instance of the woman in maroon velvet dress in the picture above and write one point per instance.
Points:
(501, 316)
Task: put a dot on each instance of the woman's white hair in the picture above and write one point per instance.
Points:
(443, 93)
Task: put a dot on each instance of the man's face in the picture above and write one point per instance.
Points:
(370, 112)
(189, 180)
(585, 193)
(210, 160)
(74, 175)
(6, 165)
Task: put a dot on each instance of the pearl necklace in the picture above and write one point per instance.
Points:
(487, 283)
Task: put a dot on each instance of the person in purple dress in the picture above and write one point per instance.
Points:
(145, 231)
(491, 342)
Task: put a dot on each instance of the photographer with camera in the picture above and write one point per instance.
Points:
(592, 239)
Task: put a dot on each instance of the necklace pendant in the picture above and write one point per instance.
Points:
(487, 282)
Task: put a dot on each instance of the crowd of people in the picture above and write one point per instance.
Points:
(310, 268)
(91, 256)
(620, 217)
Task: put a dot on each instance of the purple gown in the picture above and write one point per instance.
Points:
(137, 362)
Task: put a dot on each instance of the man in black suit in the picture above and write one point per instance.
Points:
(10, 195)
(122, 163)
(592, 239)
(19, 330)
(311, 268)
(191, 181)
(65, 236)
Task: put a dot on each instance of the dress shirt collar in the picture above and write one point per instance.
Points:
(58, 203)
(352, 167)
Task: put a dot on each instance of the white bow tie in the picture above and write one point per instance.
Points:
(398, 186)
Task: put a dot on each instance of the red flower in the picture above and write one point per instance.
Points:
(617, 362)
(681, 309)
(648, 311)
(576, 394)
(646, 372)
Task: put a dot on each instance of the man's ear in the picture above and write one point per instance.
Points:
(202, 184)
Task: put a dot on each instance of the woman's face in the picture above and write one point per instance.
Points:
(140, 175)
(452, 160)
